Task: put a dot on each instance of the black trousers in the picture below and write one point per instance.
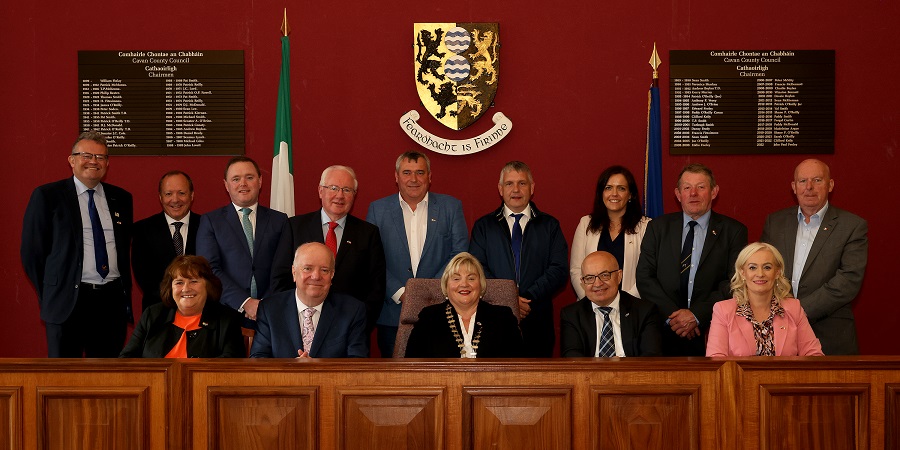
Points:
(97, 326)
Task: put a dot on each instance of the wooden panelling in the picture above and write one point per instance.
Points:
(398, 419)
(517, 418)
(106, 418)
(832, 417)
(270, 418)
(892, 417)
(645, 417)
(10, 418)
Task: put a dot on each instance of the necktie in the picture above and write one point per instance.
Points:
(178, 239)
(607, 342)
(100, 256)
(331, 238)
(686, 252)
(248, 233)
(308, 330)
(517, 242)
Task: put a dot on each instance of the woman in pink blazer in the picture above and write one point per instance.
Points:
(761, 319)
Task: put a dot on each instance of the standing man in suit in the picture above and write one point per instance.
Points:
(608, 322)
(825, 250)
(420, 232)
(359, 266)
(687, 260)
(158, 239)
(518, 242)
(310, 321)
(239, 239)
(75, 244)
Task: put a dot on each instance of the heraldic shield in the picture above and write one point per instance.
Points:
(457, 68)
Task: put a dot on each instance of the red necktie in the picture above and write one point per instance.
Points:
(331, 238)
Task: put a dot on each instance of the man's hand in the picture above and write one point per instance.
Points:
(302, 354)
(684, 324)
(250, 307)
(524, 307)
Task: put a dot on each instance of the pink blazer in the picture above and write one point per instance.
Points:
(732, 335)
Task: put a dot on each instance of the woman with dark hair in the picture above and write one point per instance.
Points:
(616, 225)
(190, 322)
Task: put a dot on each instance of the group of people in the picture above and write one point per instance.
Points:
(318, 284)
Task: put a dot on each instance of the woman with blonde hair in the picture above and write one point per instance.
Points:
(762, 319)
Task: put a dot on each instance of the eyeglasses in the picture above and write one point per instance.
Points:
(603, 276)
(85, 156)
(345, 190)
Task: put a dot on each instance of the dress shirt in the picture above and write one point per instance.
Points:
(510, 220)
(416, 225)
(467, 333)
(338, 230)
(252, 216)
(806, 234)
(315, 317)
(616, 325)
(699, 238)
(186, 220)
(89, 267)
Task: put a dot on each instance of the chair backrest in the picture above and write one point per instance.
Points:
(247, 334)
(422, 292)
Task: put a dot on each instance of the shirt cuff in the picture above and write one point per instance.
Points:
(241, 309)
(396, 296)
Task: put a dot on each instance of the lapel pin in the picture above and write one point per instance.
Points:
(205, 324)
(348, 242)
(117, 214)
(715, 233)
(118, 223)
(627, 314)
(825, 229)
(433, 219)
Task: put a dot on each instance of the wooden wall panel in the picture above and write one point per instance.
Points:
(106, 418)
(830, 417)
(892, 417)
(395, 419)
(645, 417)
(517, 418)
(10, 418)
(270, 418)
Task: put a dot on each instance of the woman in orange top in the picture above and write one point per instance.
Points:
(190, 322)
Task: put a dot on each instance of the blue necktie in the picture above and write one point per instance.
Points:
(686, 252)
(248, 233)
(517, 242)
(100, 256)
(607, 342)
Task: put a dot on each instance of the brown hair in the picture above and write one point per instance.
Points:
(189, 266)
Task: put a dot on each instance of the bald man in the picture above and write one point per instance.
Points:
(825, 250)
(628, 326)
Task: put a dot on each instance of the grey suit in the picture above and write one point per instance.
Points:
(832, 274)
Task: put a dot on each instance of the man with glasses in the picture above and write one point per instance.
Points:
(608, 322)
(356, 244)
(75, 249)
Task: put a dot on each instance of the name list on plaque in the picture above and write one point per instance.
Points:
(185, 102)
(751, 101)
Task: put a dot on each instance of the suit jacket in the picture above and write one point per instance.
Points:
(542, 270)
(219, 335)
(339, 334)
(447, 235)
(53, 247)
(221, 240)
(152, 251)
(584, 243)
(659, 274)
(359, 264)
(832, 275)
(732, 335)
(431, 336)
(639, 319)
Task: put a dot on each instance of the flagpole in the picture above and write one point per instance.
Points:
(653, 200)
(282, 198)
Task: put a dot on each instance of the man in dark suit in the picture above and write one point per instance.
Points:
(239, 239)
(634, 324)
(75, 244)
(310, 321)
(158, 239)
(420, 232)
(518, 242)
(359, 267)
(687, 261)
(825, 251)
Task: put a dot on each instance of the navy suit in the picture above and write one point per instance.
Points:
(339, 334)
(221, 240)
(543, 270)
(639, 320)
(52, 254)
(358, 267)
(152, 251)
(447, 235)
(659, 273)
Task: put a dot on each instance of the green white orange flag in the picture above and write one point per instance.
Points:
(283, 161)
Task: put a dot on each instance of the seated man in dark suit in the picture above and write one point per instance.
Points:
(158, 239)
(310, 321)
(359, 259)
(628, 326)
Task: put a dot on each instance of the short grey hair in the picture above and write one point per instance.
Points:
(330, 169)
(412, 156)
(517, 166)
(91, 135)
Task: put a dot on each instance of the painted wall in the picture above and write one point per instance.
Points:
(574, 78)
